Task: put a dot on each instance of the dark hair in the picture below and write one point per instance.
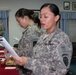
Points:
(24, 12)
(37, 20)
(53, 8)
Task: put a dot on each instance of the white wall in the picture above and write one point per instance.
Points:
(14, 5)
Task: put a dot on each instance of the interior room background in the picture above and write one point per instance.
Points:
(14, 31)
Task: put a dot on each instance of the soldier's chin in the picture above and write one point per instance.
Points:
(44, 28)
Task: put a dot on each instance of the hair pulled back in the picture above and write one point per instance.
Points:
(53, 8)
(24, 12)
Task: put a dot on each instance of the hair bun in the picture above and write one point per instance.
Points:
(31, 12)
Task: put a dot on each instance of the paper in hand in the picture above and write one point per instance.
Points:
(7, 46)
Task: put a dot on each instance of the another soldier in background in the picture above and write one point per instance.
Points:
(53, 51)
(1, 31)
(30, 35)
(1, 28)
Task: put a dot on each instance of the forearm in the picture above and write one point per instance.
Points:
(44, 65)
(24, 52)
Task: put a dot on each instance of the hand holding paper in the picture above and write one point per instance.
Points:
(7, 46)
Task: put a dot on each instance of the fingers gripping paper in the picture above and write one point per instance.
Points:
(7, 46)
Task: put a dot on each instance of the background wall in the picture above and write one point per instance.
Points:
(14, 5)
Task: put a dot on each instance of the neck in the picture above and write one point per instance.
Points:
(31, 22)
(50, 30)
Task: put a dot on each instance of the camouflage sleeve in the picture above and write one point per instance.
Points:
(28, 40)
(55, 62)
(1, 30)
(24, 48)
(26, 43)
(65, 52)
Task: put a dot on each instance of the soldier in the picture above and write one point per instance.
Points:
(31, 33)
(1, 28)
(53, 51)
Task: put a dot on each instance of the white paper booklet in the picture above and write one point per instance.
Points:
(7, 46)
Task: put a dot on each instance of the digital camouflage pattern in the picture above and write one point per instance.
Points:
(28, 39)
(1, 28)
(51, 54)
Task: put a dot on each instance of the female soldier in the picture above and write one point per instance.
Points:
(52, 53)
(31, 33)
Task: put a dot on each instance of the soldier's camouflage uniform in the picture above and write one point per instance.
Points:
(28, 39)
(51, 54)
(1, 29)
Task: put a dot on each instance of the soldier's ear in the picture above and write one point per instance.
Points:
(25, 17)
(57, 18)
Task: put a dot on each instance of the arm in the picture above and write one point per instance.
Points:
(25, 47)
(26, 44)
(49, 57)
(54, 62)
